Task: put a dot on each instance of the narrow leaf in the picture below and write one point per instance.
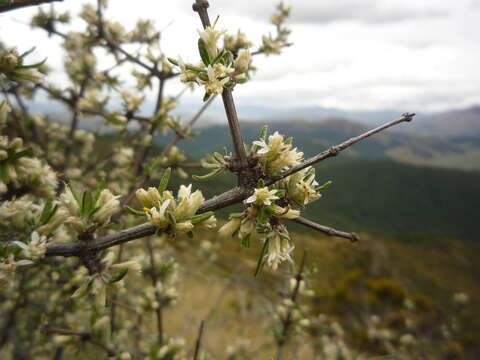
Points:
(164, 181)
(260, 258)
(201, 217)
(208, 176)
(134, 212)
(202, 49)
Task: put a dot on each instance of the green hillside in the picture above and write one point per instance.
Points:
(312, 137)
(385, 197)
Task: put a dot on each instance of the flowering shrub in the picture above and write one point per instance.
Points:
(82, 209)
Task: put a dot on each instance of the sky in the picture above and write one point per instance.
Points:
(406, 55)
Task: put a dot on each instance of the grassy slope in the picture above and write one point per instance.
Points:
(234, 301)
(383, 197)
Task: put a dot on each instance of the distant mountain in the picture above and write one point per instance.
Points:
(459, 124)
(386, 197)
(313, 137)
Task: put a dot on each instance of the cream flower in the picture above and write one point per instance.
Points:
(263, 196)
(279, 249)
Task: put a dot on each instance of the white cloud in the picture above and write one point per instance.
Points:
(351, 54)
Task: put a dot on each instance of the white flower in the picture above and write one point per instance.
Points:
(214, 85)
(285, 213)
(189, 203)
(8, 266)
(279, 249)
(36, 248)
(108, 204)
(263, 196)
(149, 198)
(210, 36)
(230, 227)
(242, 61)
(157, 216)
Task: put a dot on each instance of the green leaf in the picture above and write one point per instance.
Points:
(164, 181)
(134, 212)
(100, 188)
(263, 132)
(324, 186)
(206, 96)
(262, 216)
(246, 241)
(26, 53)
(195, 69)
(87, 203)
(48, 211)
(25, 152)
(260, 258)
(173, 61)
(31, 65)
(196, 219)
(114, 275)
(4, 173)
(208, 176)
(202, 49)
(75, 195)
(217, 58)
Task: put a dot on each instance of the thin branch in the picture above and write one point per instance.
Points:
(326, 230)
(79, 248)
(225, 199)
(201, 6)
(12, 5)
(198, 343)
(287, 323)
(334, 150)
(84, 336)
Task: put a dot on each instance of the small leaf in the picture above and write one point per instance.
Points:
(134, 212)
(217, 58)
(25, 152)
(31, 65)
(173, 61)
(114, 276)
(26, 53)
(208, 176)
(201, 217)
(48, 211)
(246, 241)
(206, 96)
(263, 132)
(190, 234)
(324, 186)
(164, 181)
(202, 49)
(260, 258)
(100, 188)
(75, 195)
(262, 216)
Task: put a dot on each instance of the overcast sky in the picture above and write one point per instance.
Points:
(406, 55)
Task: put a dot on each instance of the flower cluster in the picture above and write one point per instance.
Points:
(35, 249)
(17, 169)
(13, 69)
(273, 45)
(219, 68)
(91, 210)
(107, 273)
(267, 206)
(172, 215)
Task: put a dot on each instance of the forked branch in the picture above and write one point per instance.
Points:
(223, 200)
